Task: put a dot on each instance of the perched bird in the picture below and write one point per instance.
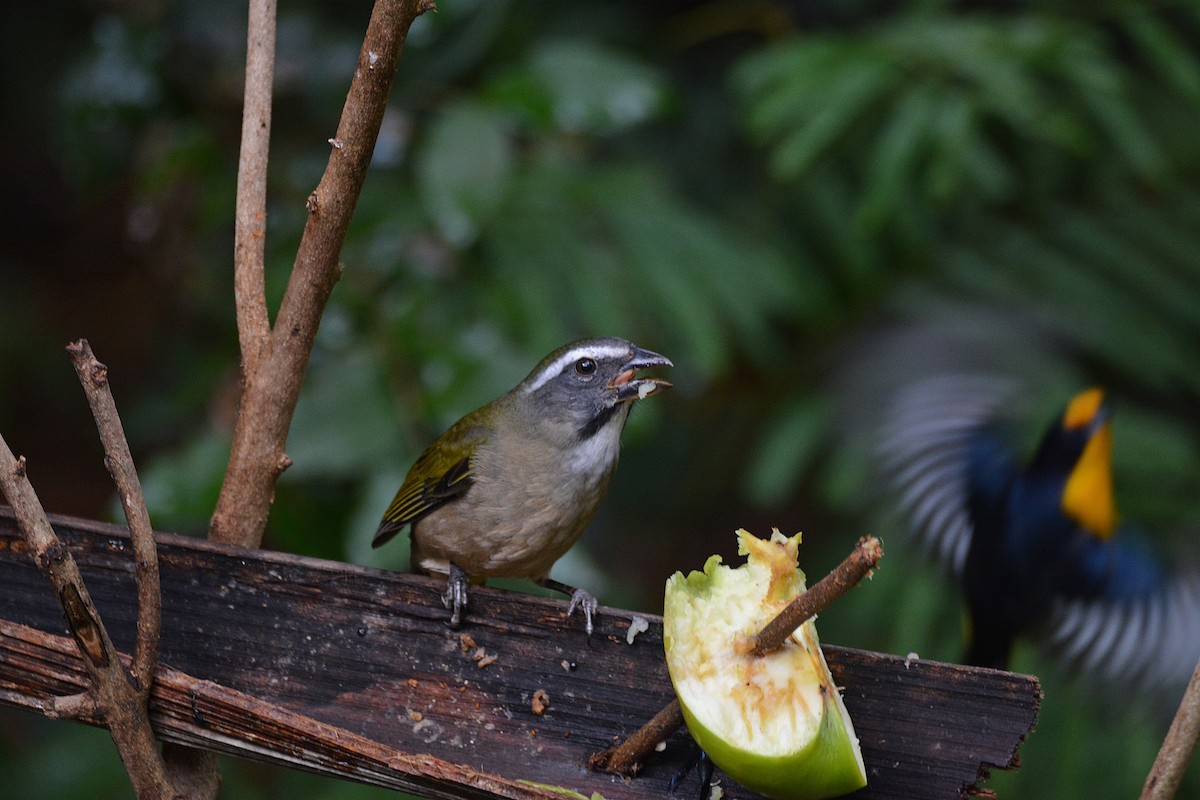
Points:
(511, 486)
(1037, 545)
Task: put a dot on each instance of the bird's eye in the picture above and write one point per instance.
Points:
(585, 366)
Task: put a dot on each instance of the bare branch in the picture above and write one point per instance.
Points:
(1178, 746)
(845, 576)
(115, 697)
(249, 287)
(626, 758)
(94, 377)
(79, 706)
(196, 773)
(72, 706)
(269, 398)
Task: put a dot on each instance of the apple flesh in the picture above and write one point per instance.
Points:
(776, 723)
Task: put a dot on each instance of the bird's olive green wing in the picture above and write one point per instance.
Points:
(442, 473)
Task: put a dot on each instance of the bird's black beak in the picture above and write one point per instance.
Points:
(629, 388)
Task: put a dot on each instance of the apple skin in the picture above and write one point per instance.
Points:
(720, 685)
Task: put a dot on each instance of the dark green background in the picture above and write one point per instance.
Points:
(772, 194)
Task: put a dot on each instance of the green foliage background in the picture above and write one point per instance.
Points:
(773, 194)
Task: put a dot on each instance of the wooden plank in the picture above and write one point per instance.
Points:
(256, 638)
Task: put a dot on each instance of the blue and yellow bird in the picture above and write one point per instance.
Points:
(1036, 544)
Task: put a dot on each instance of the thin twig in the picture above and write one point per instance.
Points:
(626, 758)
(249, 287)
(1178, 747)
(79, 706)
(116, 699)
(94, 378)
(844, 577)
(257, 456)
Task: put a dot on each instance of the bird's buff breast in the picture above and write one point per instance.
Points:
(518, 527)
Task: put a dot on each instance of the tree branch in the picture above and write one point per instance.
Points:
(844, 577)
(114, 697)
(1178, 747)
(119, 461)
(270, 392)
(182, 766)
(249, 285)
(626, 759)
(195, 772)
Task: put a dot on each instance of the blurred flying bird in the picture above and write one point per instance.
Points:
(1037, 545)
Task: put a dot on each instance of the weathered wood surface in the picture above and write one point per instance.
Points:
(353, 672)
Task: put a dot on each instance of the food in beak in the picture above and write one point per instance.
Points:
(638, 389)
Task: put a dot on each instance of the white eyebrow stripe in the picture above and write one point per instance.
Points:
(556, 366)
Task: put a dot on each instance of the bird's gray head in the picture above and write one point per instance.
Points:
(589, 383)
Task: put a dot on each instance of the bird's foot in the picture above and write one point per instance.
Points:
(455, 596)
(704, 767)
(580, 598)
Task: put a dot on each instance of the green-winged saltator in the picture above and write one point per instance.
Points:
(1036, 544)
(511, 486)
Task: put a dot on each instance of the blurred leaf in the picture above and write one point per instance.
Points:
(463, 169)
(181, 488)
(1154, 469)
(894, 161)
(377, 492)
(1101, 88)
(1006, 94)
(596, 89)
(109, 92)
(809, 109)
(1134, 271)
(630, 255)
(34, 766)
(1082, 307)
(787, 451)
(1174, 59)
(342, 422)
(953, 126)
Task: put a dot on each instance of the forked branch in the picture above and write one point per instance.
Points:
(274, 372)
(93, 376)
(118, 698)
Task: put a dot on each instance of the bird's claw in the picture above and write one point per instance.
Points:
(581, 598)
(455, 596)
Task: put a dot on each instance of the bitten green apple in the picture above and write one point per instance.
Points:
(776, 723)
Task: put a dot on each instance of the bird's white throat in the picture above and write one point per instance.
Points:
(593, 456)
